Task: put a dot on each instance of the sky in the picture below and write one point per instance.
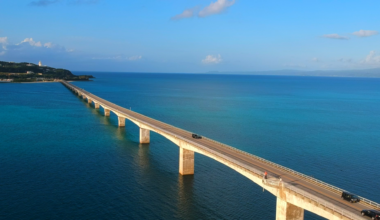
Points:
(192, 36)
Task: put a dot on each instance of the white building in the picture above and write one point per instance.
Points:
(29, 72)
(40, 63)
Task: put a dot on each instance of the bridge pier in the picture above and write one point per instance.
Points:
(89, 101)
(97, 105)
(186, 161)
(121, 121)
(144, 136)
(107, 112)
(288, 211)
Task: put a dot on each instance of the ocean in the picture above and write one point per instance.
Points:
(62, 159)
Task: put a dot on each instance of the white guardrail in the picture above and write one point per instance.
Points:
(244, 166)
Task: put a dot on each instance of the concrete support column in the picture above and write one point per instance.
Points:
(121, 121)
(287, 211)
(186, 161)
(144, 136)
(97, 105)
(106, 112)
(89, 101)
(83, 96)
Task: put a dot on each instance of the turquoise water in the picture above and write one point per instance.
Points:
(61, 159)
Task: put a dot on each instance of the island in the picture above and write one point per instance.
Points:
(30, 72)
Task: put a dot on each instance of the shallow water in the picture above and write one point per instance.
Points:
(61, 159)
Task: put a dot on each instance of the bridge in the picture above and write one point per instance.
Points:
(295, 191)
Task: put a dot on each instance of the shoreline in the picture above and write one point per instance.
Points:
(37, 82)
(40, 82)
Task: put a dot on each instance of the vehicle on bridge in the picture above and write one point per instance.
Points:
(374, 214)
(350, 197)
(196, 136)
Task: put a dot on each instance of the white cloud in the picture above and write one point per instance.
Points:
(365, 33)
(315, 59)
(335, 36)
(48, 45)
(216, 7)
(84, 1)
(188, 13)
(107, 58)
(31, 42)
(28, 49)
(372, 58)
(292, 65)
(51, 2)
(43, 2)
(346, 60)
(210, 59)
(119, 58)
(133, 58)
(3, 40)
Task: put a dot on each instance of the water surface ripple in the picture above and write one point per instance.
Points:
(61, 159)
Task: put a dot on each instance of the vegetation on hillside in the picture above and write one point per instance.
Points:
(29, 72)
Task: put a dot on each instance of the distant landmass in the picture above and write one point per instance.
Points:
(30, 72)
(325, 73)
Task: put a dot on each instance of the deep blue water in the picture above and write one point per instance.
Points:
(61, 159)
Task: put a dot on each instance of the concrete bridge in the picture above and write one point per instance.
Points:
(295, 191)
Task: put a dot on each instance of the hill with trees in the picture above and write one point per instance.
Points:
(30, 72)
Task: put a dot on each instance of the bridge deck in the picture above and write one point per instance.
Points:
(302, 183)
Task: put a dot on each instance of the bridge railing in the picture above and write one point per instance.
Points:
(322, 202)
(303, 176)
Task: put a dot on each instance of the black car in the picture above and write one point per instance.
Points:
(197, 136)
(374, 214)
(350, 197)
